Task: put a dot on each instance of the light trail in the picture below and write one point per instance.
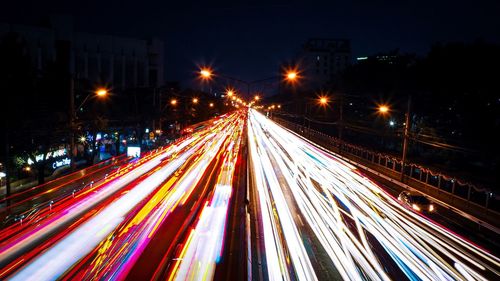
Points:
(91, 224)
(203, 248)
(365, 232)
(119, 252)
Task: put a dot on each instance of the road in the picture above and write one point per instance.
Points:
(28, 201)
(321, 219)
(139, 216)
(238, 198)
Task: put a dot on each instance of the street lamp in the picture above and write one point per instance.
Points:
(195, 100)
(206, 73)
(211, 104)
(291, 75)
(323, 100)
(173, 102)
(100, 92)
(383, 109)
(256, 98)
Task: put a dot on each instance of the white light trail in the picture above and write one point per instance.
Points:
(353, 219)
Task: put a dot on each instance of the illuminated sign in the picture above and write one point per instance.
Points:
(50, 154)
(59, 163)
(133, 151)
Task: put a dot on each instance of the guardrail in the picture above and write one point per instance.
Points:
(476, 201)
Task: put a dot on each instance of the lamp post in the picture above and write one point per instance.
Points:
(406, 136)
(7, 160)
(101, 92)
(384, 109)
(205, 73)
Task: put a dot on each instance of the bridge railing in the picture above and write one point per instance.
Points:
(468, 197)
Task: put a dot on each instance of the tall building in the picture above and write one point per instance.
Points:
(118, 62)
(323, 60)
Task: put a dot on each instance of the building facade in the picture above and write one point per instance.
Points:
(323, 60)
(118, 62)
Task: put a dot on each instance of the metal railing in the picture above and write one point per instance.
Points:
(471, 198)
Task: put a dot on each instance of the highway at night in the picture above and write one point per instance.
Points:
(179, 213)
(136, 216)
(321, 219)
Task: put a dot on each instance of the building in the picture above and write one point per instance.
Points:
(323, 60)
(392, 57)
(119, 62)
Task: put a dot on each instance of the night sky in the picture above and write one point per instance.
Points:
(249, 39)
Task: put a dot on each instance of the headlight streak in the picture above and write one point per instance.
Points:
(117, 261)
(296, 249)
(202, 250)
(345, 246)
(273, 245)
(31, 236)
(419, 247)
(55, 261)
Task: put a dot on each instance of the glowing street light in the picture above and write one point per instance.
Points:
(257, 97)
(101, 92)
(173, 102)
(323, 100)
(292, 75)
(211, 104)
(230, 93)
(383, 109)
(195, 100)
(206, 73)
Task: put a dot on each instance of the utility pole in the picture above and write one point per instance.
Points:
(341, 121)
(341, 116)
(406, 137)
(7, 159)
(160, 100)
(72, 122)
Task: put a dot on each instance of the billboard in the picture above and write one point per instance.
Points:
(133, 151)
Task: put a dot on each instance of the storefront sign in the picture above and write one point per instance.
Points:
(59, 163)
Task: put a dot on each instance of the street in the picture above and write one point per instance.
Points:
(187, 211)
(103, 231)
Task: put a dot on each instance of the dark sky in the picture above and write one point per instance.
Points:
(249, 39)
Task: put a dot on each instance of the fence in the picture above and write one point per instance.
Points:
(468, 197)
